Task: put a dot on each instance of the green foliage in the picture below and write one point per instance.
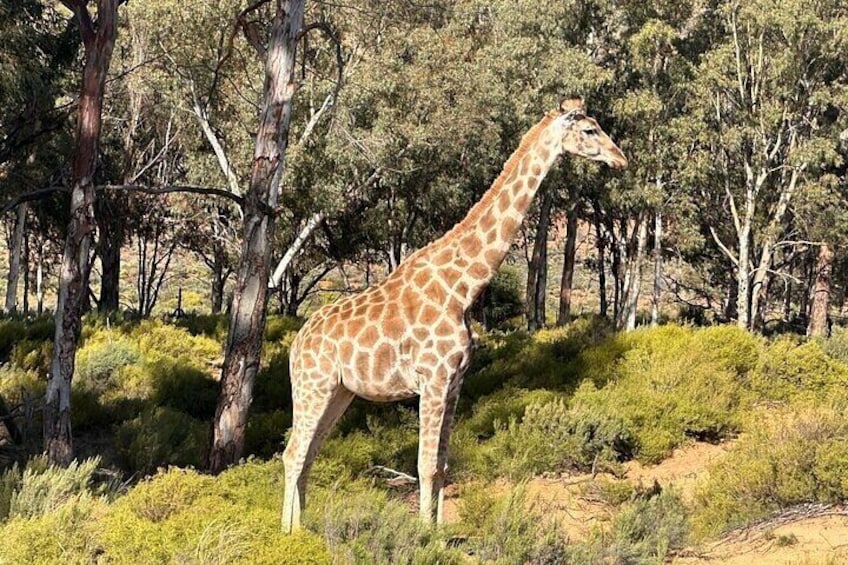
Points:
(508, 529)
(185, 388)
(42, 488)
(789, 455)
(160, 342)
(670, 383)
(161, 436)
(790, 369)
(180, 516)
(364, 525)
(67, 534)
(551, 437)
(503, 298)
(265, 432)
(209, 325)
(279, 328)
(100, 358)
(643, 531)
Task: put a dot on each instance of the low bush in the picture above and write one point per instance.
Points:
(161, 436)
(671, 383)
(159, 342)
(281, 328)
(182, 516)
(791, 370)
(364, 525)
(508, 529)
(552, 437)
(643, 531)
(100, 358)
(789, 455)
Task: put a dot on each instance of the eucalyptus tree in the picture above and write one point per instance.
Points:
(761, 95)
(39, 46)
(98, 37)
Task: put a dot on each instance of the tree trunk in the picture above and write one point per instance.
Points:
(219, 277)
(111, 226)
(15, 253)
(73, 282)
(247, 324)
(601, 245)
(743, 271)
(39, 282)
(634, 279)
(569, 257)
(537, 268)
(818, 326)
(658, 268)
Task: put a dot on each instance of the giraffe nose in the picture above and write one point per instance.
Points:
(618, 161)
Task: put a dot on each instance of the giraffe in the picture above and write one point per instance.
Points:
(409, 335)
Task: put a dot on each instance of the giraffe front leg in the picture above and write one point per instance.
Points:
(436, 413)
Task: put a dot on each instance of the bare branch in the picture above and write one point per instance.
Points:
(723, 247)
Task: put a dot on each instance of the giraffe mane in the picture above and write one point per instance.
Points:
(527, 140)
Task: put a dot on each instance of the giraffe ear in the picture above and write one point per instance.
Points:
(572, 104)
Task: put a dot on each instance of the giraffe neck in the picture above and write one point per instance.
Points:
(476, 246)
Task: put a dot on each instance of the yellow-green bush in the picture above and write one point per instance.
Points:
(67, 534)
(281, 328)
(670, 383)
(506, 529)
(789, 370)
(100, 358)
(181, 516)
(789, 455)
(158, 341)
(552, 437)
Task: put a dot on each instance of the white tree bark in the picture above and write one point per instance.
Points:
(15, 253)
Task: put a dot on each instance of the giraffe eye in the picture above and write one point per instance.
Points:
(590, 131)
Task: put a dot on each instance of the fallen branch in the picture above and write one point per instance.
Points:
(398, 478)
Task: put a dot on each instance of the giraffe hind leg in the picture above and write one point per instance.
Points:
(314, 418)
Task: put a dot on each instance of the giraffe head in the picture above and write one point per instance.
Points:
(582, 136)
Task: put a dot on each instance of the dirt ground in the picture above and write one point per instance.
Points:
(794, 538)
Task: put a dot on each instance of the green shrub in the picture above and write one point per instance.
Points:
(11, 332)
(161, 436)
(643, 531)
(280, 328)
(836, 346)
(670, 383)
(503, 297)
(552, 437)
(32, 355)
(363, 525)
(789, 455)
(67, 534)
(791, 370)
(272, 389)
(100, 358)
(14, 382)
(508, 529)
(159, 342)
(209, 325)
(181, 516)
(41, 489)
(184, 388)
(265, 432)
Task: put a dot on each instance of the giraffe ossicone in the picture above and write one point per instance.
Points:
(409, 335)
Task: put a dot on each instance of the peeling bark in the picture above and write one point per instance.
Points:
(99, 41)
(247, 324)
(15, 253)
(818, 326)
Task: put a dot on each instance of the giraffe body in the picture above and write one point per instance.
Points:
(409, 335)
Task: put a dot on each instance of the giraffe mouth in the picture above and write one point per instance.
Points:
(617, 162)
